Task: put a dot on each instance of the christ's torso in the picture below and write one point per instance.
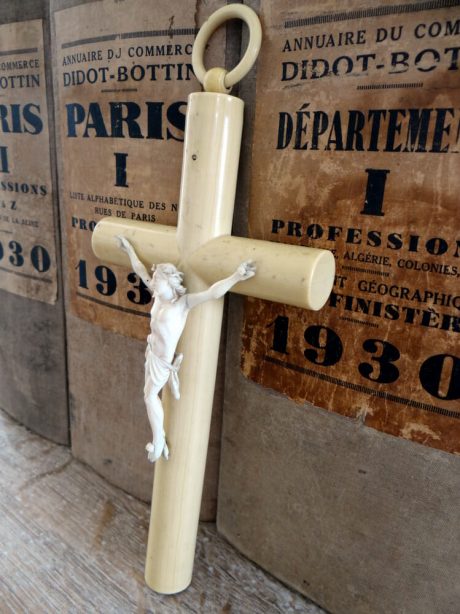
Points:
(167, 323)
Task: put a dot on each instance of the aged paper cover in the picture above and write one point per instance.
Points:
(27, 238)
(356, 151)
(123, 75)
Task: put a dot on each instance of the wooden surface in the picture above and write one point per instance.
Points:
(70, 542)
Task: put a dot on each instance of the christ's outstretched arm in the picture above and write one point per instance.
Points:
(137, 265)
(245, 271)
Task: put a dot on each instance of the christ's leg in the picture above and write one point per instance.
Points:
(156, 417)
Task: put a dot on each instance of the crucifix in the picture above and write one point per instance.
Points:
(203, 248)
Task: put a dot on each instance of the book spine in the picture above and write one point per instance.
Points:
(122, 74)
(354, 149)
(33, 385)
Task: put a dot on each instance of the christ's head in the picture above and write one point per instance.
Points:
(167, 282)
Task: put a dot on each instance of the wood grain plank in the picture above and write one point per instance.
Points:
(71, 542)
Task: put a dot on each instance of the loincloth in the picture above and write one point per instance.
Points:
(159, 371)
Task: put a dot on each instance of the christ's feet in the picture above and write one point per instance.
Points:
(150, 447)
(155, 451)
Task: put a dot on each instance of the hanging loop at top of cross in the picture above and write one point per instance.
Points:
(218, 79)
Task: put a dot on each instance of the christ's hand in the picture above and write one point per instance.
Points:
(246, 270)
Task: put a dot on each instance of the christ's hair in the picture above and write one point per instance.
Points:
(173, 277)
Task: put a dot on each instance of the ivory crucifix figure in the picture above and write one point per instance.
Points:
(168, 315)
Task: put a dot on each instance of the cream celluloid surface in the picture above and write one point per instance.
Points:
(201, 247)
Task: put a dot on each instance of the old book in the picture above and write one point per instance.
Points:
(32, 360)
(122, 75)
(342, 428)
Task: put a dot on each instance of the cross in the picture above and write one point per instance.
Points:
(203, 248)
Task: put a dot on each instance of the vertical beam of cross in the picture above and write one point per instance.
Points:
(211, 153)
